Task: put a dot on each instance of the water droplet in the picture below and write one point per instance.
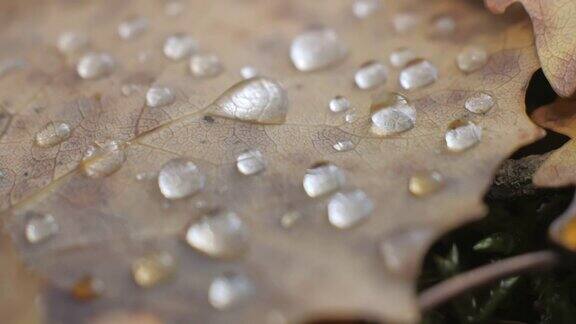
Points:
(179, 178)
(370, 75)
(405, 22)
(399, 251)
(133, 27)
(222, 235)
(250, 162)
(40, 227)
(179, 46)
(339, 104)
(259, 100)
(444, 25)
(402, 56)
(71, 41)
(290, 218)
(101, 161)
(425, 183)
(128, 89)
(229, 290)
(143, 176)
(364, 8)
(53, 133)
(317, 49)
(322, 179)
(418, 74)
(249, 72)
(95, 65)
(392, 114)
(346, 209)
(472, 58)
(479, 103)
(351, 116)
(173, 8)
(158, 96)
(344, 146)
(462, 135)
(153, 269)
(87, 288)
(205, 65)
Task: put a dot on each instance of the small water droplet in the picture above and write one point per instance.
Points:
(399, 251)
(351, 116)
(472, 58)
(344, 146)
(40, 227)
(179, 46)
(101, 161)
(322, 179)
(249, 72)
(205, 65)
(370, 75)
(71, 42)
(87, 288)
(259, 100)
(364, 8)
(402, 56)
(52, 133)
(133, 27)
(339, 104)
(444, 25)
(250, 162)
(418, 74)
(152, 269)
(479, 103)
(128, 89)
(289, 219)
(462, 135)
(95, 65)
(229, 290)
(317, 49)
(425, 183)
(158, 96)
(179, 178)
(222, 235)
(346, 209)
(405, 22)
(173, 8)
(144, 176)
(392, 114)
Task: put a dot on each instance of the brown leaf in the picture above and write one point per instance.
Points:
(554, 30)
(309, 270)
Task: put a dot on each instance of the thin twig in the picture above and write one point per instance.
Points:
(467, 281)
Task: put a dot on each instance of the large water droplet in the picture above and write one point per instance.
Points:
(158, 96)
(346, 209)
(479, 103)
(364, 8)
(250, 162)
(101, 161)
(425, 183)
(71, 41)
(179, 46)
(462, 135)
(229, 290)
(392, 114)
(133, 27)
(399, 251)
(53, 133)
(95, 65)
(343, 146)
(322, 179)
(370, 75)
(339, 104)
(249, 72)
(472, 58)
(205, 65)
(40, 227)
(418, 74)
(179, 178)
(222, 235)
(152, 269)
(316, 49)
(259, 100)
(402, 56)
(87, 288)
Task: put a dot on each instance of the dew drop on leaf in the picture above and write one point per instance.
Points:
(402, 56)
(317, 49)
(425, 183)
(398, 251)
(344, 146)
(229, 290)
(418, 74)
(40, 227)
(95, 65)
(52, 133)
(71, 42)
(205, 65)
(158, 96)
(479, 103)
(405, 21)
(370, 75)
(131, 28)
(179, 46)
(101, 161)
(472, 58)
(250, 162)
(249, 72)
(462, 135)
(222, 235)
(180, 178)
(351, 116)
(364, 8)
(444, 25)
(339, 104)
(392, 114)
(153, 269)
(348, 208)
(322, 179)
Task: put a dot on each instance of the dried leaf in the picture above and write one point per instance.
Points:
(554, 30)
(311, 269)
